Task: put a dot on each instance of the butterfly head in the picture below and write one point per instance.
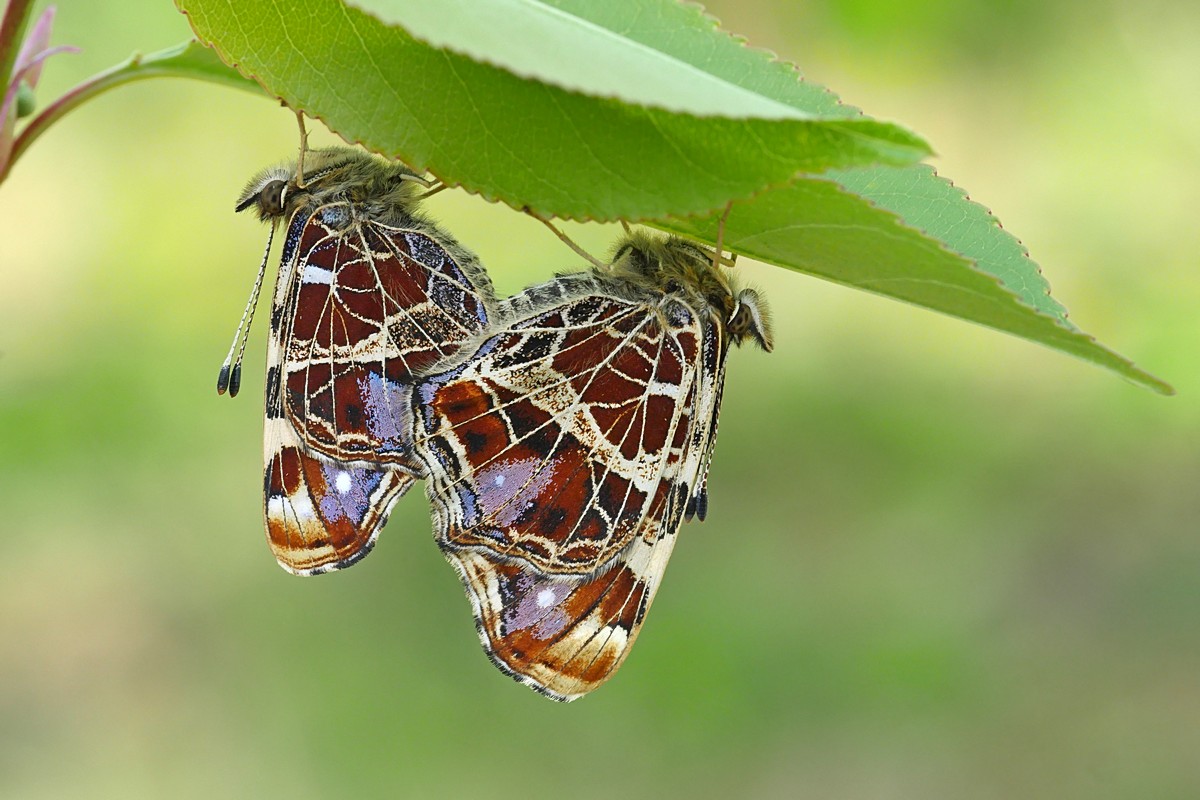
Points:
(269, 192)
(685, 270)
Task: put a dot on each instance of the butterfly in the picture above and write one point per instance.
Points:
(567, 444)
(369, 294)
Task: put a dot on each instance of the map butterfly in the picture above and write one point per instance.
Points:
(565, 446)
(369, 294)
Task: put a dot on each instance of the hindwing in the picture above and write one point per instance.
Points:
(323, 514)
(562, 635)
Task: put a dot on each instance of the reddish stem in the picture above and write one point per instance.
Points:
(12, 29)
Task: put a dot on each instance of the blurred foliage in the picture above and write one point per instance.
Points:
(939, 562)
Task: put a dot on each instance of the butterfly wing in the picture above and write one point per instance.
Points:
(562, 456)
(551, 441)
(322, 513)
(359, 307)
(564, 635)
(372, 305)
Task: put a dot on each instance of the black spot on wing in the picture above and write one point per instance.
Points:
(274, 407)
(476, 442)
(550, 521)
(534, 347)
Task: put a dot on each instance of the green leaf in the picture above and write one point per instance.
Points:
(575, 53)
(684, 32)
(817, 227)
(187, 60)
(533, 144)
(605, 110)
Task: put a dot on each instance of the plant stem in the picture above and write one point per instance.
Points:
(125, 72)
(188, 60)
(12, 31)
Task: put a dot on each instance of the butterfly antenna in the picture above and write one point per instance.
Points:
(230, 377)
(597, 263)
(303, 150)
(625, 225)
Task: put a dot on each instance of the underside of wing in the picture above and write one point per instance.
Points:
(374, 306)
(360, 308)
(561, 635)
(552, 442)
(323, 514)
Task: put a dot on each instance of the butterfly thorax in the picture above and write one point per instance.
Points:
(366, 186)
(684, 271)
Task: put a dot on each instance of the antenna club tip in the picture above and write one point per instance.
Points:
(223, 379)
(235, 380)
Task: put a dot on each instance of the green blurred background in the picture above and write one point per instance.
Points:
(939, 562)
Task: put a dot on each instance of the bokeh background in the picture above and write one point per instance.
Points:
(940, 562)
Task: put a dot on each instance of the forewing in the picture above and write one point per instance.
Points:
(371, 306)
(552, 442)
(703, 439)
(350, 319)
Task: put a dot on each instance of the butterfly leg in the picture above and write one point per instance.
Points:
(569, 242)
(303, 149)
(432, 188)
(719, 256)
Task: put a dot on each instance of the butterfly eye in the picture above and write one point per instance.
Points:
(270, 199)
(673, 286)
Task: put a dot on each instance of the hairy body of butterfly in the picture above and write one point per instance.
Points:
(369, 294)
(565, 447)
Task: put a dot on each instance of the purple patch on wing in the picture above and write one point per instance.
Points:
(537, 607)
(425, 250)
(385, 404)
(470, 510)
(506, 489)
(348, 492)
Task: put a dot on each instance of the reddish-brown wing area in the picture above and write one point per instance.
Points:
(324, 514)
(563, 635)
(555, 440)
(374, 305)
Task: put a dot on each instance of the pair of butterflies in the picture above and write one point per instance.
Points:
(564, 433)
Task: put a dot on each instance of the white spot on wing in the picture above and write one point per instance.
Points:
(303, 507)
(315, 274)
(342, 482)
(545, 597)
(663, 389)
